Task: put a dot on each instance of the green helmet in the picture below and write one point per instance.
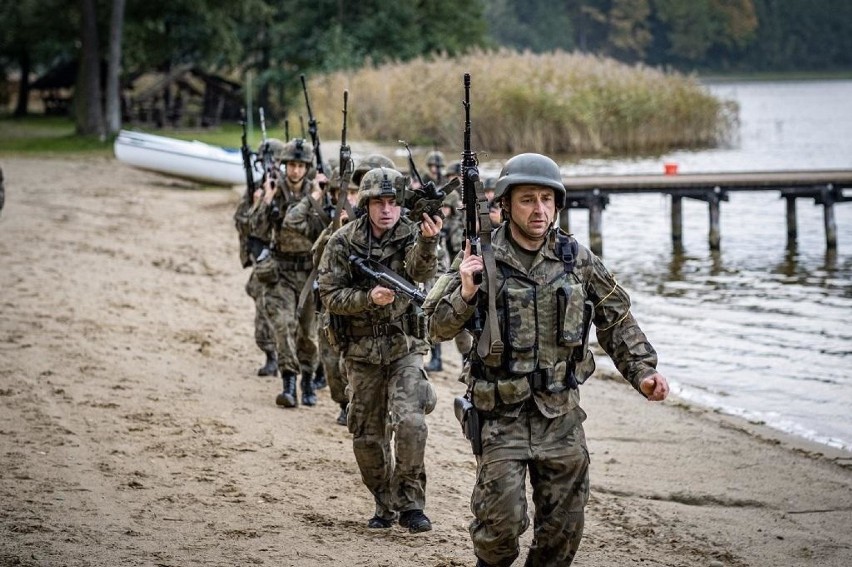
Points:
(435, 158)
(380, 182)
(452, 200)
(531, 169)
(454, 168)
(298, 149)
(368, 163)
(274, 146)
(490, 183)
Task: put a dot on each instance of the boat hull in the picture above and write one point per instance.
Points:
(194, 160)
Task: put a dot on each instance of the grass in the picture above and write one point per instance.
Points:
(556, 103)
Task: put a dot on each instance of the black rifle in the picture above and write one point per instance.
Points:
(427, 199)
(347, 167)
(247, 158)
(388, 278)
(312, 129)
(477, 223)
(286, 130)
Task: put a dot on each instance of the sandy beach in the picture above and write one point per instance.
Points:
(135, 432)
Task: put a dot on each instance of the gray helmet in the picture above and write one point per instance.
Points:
(452, 200)
(435, 158)
(380, 182)
(490, 183)
(531, 169)
(370, 162)
(298, 149)
(274, 146)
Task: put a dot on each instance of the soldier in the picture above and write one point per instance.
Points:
(382, 338)
(251, 246)
(289, 213)
(435, 168)
(330, 358)
(549, 290)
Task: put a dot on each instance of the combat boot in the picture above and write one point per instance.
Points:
(309, 397)
(415, 520)
(287, 397)
(271, 366)
(344, 414)
(435, 364)
(320, 381)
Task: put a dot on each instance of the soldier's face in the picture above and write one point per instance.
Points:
(296, 170)
(532, 210)
(384, 212)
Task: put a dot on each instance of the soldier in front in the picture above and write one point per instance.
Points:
(548, 291)
(382, 337)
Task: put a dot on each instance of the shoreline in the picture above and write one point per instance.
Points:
(134, 430)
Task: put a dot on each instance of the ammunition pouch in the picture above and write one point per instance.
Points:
(470, 422)
(492, 388)
(335, 331)
(266, 268)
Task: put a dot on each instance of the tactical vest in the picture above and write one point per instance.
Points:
(544, 328)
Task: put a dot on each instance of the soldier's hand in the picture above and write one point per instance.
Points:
(470, 265)
(258, 193)
(316, 192)
(268, 190)
(381, 295)
(655, 387)
(431, 226)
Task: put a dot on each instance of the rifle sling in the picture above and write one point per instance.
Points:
(489, 341)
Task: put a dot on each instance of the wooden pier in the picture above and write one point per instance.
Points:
(825, 187)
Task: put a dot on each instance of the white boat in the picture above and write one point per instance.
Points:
(190, 160)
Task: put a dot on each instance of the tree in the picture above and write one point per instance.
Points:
(87, 93)
(113, 78)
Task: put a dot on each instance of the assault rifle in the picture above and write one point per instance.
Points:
(427, 199)
(286, 130)
(246, 152)
(388, 278)
(477, 228)
(312, 129)
(266, 154)
(346, 168)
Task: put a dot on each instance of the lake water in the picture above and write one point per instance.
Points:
(754, 330)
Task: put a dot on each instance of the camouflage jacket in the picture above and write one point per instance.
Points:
(270, 220)
(452, 234)
(345, 291)
(541, 320)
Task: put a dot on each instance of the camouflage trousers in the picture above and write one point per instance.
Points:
(554, 452)
(264, 334)
(387, 409)
(332, 363)
(295, 333)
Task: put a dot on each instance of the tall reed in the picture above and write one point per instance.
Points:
(555, 103)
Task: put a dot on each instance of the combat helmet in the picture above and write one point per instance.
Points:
(531, 169)
(435, 158)
(455, 168)
(452, 200)
(368, 163)
(298, 149)
(380, 182)
(274, 147)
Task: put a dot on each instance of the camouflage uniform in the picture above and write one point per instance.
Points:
(293, 223)
(528, 397)
(383, 349)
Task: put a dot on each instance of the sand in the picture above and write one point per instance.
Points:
(134, 430)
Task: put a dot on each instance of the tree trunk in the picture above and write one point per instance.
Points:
(24, 85)
(113, 78)
(87, 94)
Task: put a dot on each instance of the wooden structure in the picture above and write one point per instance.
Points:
(182, 97)
(825, 187)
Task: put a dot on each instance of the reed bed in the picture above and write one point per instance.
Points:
(555, 103)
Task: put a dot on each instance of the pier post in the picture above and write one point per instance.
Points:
(792, 231)
(830, 225)
(596, 206)
(677, 222)
(715, 236)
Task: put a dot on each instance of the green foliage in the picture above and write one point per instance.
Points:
(44, 135)
(554, 103)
